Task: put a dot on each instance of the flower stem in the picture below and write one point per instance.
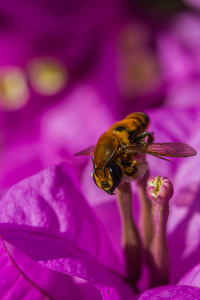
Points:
(158, 259)
(130, 237)
(145, 222)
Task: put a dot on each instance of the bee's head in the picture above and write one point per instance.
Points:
(108, 178)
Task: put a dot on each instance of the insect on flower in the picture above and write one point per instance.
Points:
(120, 152)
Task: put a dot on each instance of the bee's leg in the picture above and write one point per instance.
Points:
(130, 168)
(142, 136)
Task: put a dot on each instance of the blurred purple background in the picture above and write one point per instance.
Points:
(69, 69)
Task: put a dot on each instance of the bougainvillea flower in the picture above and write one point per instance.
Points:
(67, 235)
(48, 219)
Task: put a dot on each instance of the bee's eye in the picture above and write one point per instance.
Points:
(116, 174)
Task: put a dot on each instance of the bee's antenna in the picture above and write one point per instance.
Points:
(93, 165)
(108, 160)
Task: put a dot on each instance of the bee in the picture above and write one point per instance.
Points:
(120, 152)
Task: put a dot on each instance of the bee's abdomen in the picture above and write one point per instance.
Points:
(135, 122)
(138, 120)
(130, 127)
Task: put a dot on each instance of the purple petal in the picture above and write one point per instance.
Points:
(47, 218)
(61, 256)
(170, 292)
(192, 277)
(14, 284)
(49, 280)
(50, 203)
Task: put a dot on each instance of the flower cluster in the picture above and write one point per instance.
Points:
(68, 70)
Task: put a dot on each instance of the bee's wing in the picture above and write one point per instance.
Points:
(87, 151)
(163, 149)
